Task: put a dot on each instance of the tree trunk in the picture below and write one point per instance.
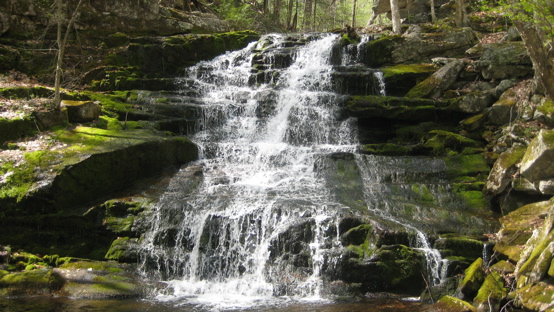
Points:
(277, 11)
(59, 60)
(61, 42)
(395, 12)
(460, 13)
(307, 14)
(289, 15)
(353, 13)
(540, 56)
(433, 14)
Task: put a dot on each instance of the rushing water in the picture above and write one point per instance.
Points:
(216, 233)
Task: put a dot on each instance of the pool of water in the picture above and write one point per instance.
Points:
(58, 304)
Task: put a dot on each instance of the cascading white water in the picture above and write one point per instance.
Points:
(214, 244)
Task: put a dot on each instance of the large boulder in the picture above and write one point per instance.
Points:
(503, 170)
(94, 163)
(437, 83)
(536, 164)
(417, 48)
(504, 60)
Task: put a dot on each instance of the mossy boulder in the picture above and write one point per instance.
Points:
(437, 83)
(545, 112)
(503, 60)
(12, 129)
(123, 249)
(453, 304)
(30, 283)
(379, 52)
(387, 149)
(459, 245)
(504, 169)
(537, 161)
(473, 279)
(441, 142)
(95, 163)
(399, 79)
(536, 296)
(518, 226)
(99, 280)
(390, 268)
(491, 294)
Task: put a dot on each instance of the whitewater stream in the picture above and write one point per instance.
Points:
(217, 233)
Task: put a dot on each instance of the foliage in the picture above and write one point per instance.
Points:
(279, 15)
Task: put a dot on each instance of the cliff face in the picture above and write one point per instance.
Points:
(98, 18)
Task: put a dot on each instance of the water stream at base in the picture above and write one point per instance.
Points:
(214, 241)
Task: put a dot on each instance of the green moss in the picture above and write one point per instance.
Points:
(460, 167)
(473, 278)
(491, 292)
(386, 149)
(119, 225)
(453, 304)
(442, 142)
(93, 265)
(381, 50)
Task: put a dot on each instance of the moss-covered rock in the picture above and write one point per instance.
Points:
(518, 226)
(536, 163)
(398, 108)
(386, 149)
(30, 283)
(453, 304)
(101, 280)
(379, 52)
(491, 293)
(473, 279)
(504, 169)
(123, 250)
(399, 79)
(96, 162)
(441, 142)
(438, 83)
(536, 297)
(11, 129)
(459, 245)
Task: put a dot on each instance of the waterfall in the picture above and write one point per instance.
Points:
(255, 220)
(220, 242)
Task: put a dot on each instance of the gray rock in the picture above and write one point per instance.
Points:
(437, 83)
(504, 60)
(503, 170)
(546, 187)
(537, 162)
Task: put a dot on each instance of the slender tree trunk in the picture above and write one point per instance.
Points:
(61, 42)
(59, 60)
(307, 14)
(314, 16)
(460, 13)
(353, 13)
(277, 10)
(395, 12)
(540, 56)
(289, 15)
(433, 14)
